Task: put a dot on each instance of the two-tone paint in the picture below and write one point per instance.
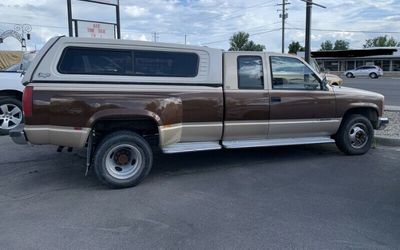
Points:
(208, 108)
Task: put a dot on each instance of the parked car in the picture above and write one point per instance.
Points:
(371, 71)
(332, 79)
(121, 99)
(11, 89)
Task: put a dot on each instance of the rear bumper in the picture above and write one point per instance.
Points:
(382, 123)
(17, 134)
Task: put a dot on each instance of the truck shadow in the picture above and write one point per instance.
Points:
(61, 171)
(186, 163)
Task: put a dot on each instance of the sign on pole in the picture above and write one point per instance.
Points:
(95, 29)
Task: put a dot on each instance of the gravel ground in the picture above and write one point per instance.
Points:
(393, 129)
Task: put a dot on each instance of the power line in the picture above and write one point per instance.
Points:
(252, 29)
(231, 16)
(253, 34)
(349, 31)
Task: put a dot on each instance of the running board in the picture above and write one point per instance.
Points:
(191, 147)
(276, 142)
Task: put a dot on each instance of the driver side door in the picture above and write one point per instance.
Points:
(300, 106)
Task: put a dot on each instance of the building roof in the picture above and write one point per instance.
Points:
(355, 52)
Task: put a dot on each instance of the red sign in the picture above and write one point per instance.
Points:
(96, 30)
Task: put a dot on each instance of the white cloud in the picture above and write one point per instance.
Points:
(135, 11)
(212, 22)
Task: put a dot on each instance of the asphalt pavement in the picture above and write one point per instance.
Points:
(388, 86)
(303, 197)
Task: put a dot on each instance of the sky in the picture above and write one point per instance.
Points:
(209, 22)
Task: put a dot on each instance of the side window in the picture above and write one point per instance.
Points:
(250, 72)
(96, 61)
(291, 73)
(170, 64)
(128, 62)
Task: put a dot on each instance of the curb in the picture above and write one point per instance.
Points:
(387, 141)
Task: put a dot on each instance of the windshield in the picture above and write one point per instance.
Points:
(13, 67)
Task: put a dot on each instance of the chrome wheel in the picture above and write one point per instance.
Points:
(358, 135)
(10, 116)
(123, 161)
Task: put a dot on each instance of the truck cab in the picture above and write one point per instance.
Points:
(275, 96)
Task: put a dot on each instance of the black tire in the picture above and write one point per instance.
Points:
(5, 119)
(133, 149)
(349, 75)
(373, 75)
(355, 135)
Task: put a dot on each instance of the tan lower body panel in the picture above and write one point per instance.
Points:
(303, 128)
(57, 135)
(238, 130)
(196, 132)
(189, 132)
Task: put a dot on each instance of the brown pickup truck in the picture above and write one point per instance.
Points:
(121, 99)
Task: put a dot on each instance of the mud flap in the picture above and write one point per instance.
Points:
(89, 152)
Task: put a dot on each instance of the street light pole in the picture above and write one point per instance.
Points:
(25, 29)
(69, 12)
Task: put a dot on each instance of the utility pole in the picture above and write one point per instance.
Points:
(309, 4)
(155, 36)
(284, 16)
(185, 38)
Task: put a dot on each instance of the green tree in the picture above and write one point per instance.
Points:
(341, 45)
(381, 41)
(294, 47)
(240, 41)
(327, 45)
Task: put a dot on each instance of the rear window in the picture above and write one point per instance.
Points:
(128, 62)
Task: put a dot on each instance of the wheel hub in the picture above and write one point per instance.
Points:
(122, 158)
(10, 116)
(358, 135)
(123, 161)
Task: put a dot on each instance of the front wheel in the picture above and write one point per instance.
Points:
(349, 75)
(355, 135)
(10, 114)
(373, 75)
(123, 159)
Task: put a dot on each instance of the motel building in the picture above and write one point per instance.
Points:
(338, 61)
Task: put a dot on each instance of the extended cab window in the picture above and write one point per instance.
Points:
(291, 73)
(250, 72)
(160, 63)
(128, 62)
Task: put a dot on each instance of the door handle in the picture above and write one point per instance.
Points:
(275, 99)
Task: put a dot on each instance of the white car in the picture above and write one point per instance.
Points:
(371, 71)
(11, 90)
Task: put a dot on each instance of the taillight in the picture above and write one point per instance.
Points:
(27, 101)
